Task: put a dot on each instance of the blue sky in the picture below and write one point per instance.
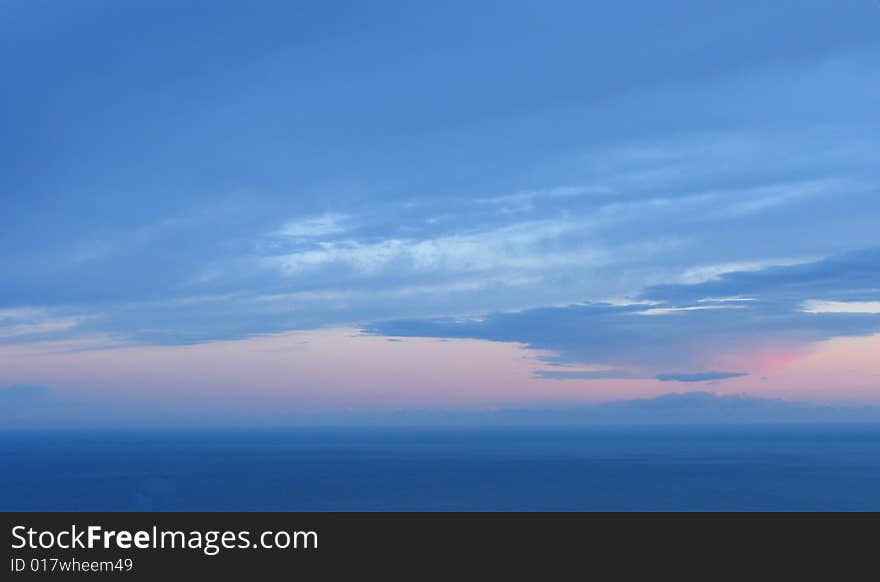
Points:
(180, 173)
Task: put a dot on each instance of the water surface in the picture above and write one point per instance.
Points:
(612, 468)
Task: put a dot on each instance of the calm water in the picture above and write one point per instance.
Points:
(755, 468)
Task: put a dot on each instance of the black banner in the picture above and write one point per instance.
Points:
(153, 546)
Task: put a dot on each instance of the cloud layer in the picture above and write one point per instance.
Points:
(637, 198)
(673, 332)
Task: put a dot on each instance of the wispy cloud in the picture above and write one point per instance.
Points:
(703, 273)
(768, 197)
(32, 323)
(517, 246)
(528, 200)
(314, 226)
(673, 310)
(815, 306)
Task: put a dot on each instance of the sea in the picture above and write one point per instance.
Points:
(684, 468)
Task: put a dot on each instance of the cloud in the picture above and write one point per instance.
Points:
(31, 323)
(698, 376)
(813, 306)
(765, 198)
(527, 201)
(682, 334)
(748, 150)
(519, 246)
(849, 276)
(714, 272)
(673, 310)
(640, 213)
(529, 195)
(314, 226)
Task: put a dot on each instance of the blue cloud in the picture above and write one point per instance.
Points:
(282, 187)
(851, 276)
(675, 326)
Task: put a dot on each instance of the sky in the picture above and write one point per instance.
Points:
(237, 211)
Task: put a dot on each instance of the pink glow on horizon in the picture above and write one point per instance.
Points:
(836, 370)
(342, 370)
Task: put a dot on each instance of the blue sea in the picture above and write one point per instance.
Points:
(369, 469)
